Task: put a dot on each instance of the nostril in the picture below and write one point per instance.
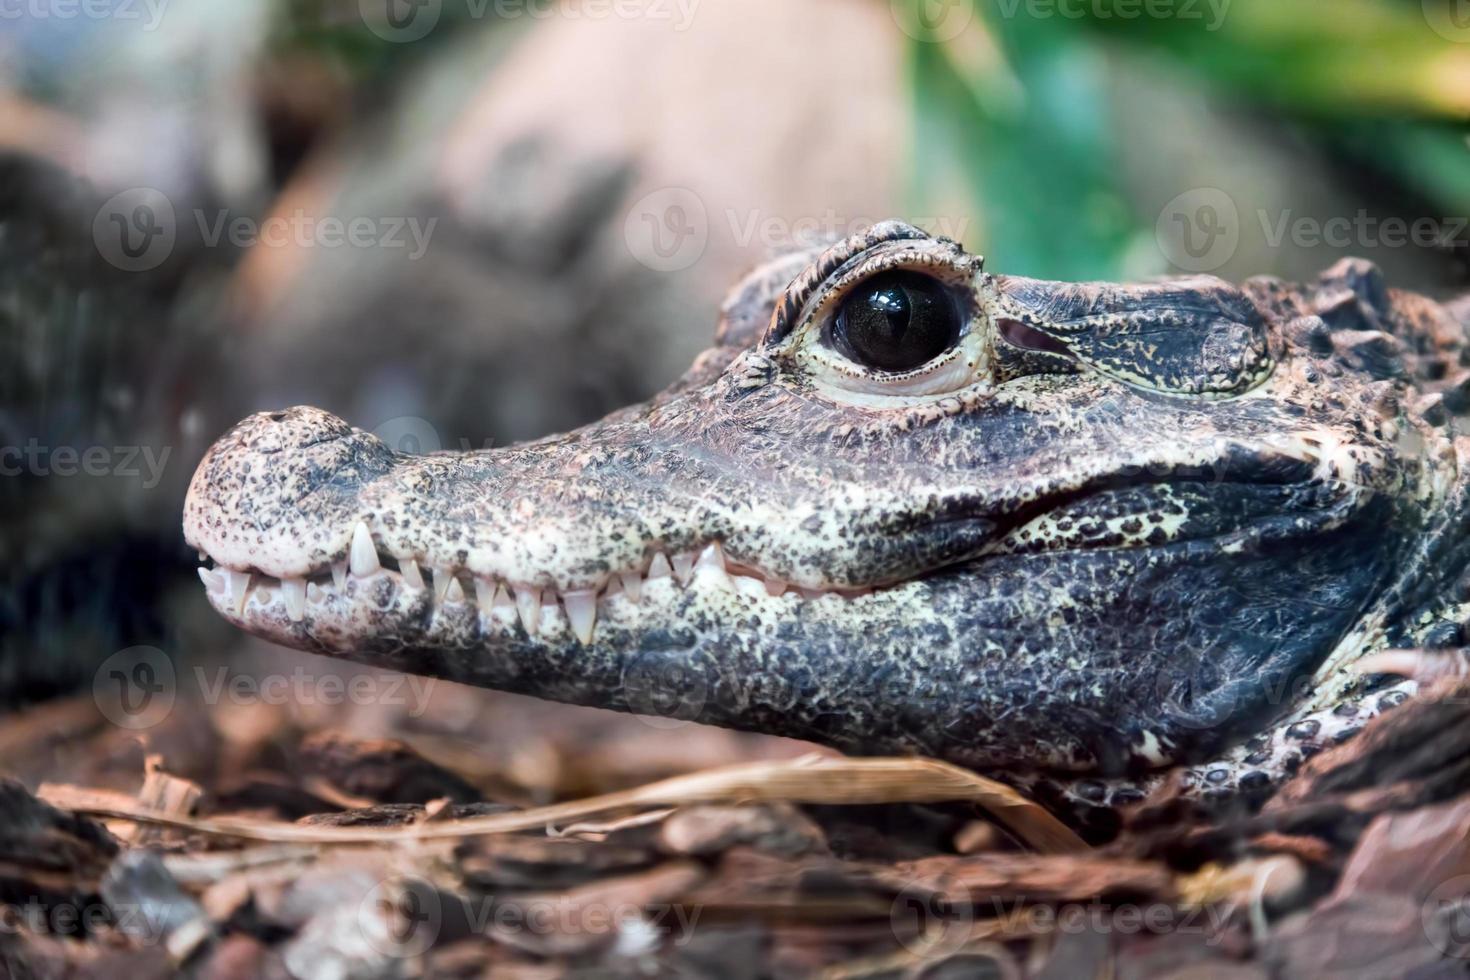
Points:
(296, 428)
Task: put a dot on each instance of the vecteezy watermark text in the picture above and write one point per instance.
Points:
(1201, 229)
(136, 230)
(136, 688)
(405, 21)
(778, 231)
(308, 231)
(1211, 13)
(122, 461)
(1362, 230)
(680, 13)
(145, 924)
(668, 229)
(148, 12)
(304, 687)
(405, 915)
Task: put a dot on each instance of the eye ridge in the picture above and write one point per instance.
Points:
(897, 321)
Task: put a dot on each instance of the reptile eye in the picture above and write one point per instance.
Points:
(897, 321)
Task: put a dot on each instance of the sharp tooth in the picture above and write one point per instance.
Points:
(315, 594)
(659, 567)
(528, 604)
(711, 568)
(442, 578)
(581, 613)
(239, 588)
(293, 590)
(213, 581)
(455, 592)
(339, 575)
(614, 587)
(684, 567)
(203, 556)
(364, 556)
(502, 601)
(485, 592)
(409, 569)
(632, 585)
(748, 586)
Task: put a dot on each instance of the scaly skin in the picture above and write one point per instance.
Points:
(1112, 529)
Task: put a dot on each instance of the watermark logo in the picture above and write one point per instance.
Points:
(664, 690)
(1450, 19)
(928, 920)
(401, 917)
(932, 20)
(135, 229)
(667, 230)
(1445, 916)
(1196, 696)
(400, 21)
(410, 435)
(135, 688)
(1199, 230)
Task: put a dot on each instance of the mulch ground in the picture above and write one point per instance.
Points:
(302, 833)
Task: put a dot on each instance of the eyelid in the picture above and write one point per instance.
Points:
(957, 367)
(952, 268)
(800, 333)
(825, 302)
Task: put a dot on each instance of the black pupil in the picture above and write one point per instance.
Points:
(897, 321)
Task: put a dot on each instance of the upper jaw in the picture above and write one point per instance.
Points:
(320, 537)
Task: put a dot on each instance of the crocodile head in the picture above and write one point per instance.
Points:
(903, 504)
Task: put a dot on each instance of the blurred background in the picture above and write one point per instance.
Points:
(466, 222)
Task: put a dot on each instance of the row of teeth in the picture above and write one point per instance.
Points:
(708, 568)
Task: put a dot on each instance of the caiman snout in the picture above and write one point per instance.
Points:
(312, 525)
(1097, 529)
(275, 489)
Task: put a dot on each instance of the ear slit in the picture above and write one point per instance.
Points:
(1027, 337)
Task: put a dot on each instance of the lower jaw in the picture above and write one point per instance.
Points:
(706, 647)
(357, 611)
